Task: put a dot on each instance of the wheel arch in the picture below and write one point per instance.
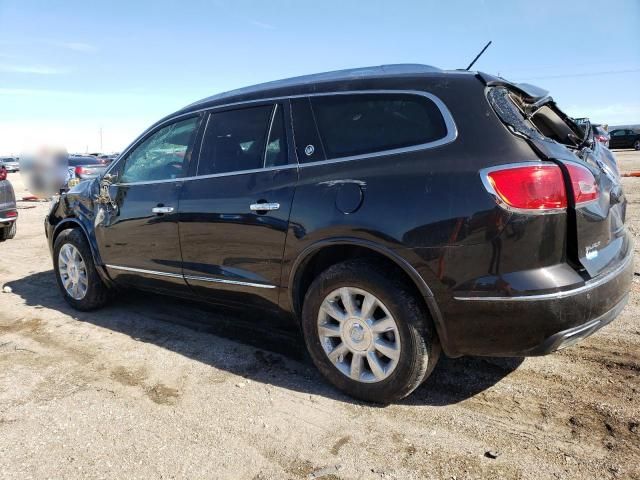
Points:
(317, 257)
(74, 223)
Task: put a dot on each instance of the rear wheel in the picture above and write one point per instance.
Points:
(636, 145)
(76, 274)
(8, 232)
(368, 334)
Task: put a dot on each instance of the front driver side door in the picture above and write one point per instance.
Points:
(137, 233)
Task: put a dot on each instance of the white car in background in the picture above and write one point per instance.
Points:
(12, 164)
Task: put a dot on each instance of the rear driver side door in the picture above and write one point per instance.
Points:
(234, 211)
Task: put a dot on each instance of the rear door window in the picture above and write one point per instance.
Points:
(367, 123)
(245, 139)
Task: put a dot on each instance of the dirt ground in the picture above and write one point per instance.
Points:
(151, 387)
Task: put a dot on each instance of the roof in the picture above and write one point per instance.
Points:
(364, 73)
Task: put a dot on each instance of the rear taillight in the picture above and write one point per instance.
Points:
(3, 173)
(601, 138)
(12, 214)
(80, 171)
(583, 183)
(535, 188)
(540, 188)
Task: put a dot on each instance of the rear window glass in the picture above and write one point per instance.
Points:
(235, 141)
(367, 123)
(538, 121)
(77, 161)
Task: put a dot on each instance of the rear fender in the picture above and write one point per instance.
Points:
(392, 255)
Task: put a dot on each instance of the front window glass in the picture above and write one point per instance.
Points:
(161, 156)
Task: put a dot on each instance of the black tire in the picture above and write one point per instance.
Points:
(7, 233)
(636, 145)
(97, 292)
(420, 347)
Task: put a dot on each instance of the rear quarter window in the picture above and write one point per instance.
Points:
(367, 123)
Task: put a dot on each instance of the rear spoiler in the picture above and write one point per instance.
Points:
(532, 93)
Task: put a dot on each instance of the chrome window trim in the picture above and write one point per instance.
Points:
(204, 133)
(189, 277)
(212, 175)
(266, 143)
(590, 285)
(452, 131)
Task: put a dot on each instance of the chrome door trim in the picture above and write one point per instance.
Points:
(189, 277)
(142, 270)
(230, 282)
(452, 130)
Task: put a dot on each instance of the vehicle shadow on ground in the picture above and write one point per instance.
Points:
(278, 358)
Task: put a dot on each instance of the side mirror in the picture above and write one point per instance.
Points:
(104, 195)
(109, 178)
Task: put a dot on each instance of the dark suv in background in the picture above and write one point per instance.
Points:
(624, 138)
(392, 212)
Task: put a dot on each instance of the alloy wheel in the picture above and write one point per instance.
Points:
(72, 271)
(359, 335)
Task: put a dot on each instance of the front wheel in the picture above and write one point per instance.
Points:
(636, 145)
(368, 334)
(76, 273)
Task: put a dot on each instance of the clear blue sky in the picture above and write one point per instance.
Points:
(68, 68)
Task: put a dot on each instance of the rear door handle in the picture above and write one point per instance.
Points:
(162, 209)
(263, 207)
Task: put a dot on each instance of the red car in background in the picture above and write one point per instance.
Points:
(601, 135)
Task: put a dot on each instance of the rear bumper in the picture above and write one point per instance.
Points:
(571, 336)
(5, 219)
(537, 324)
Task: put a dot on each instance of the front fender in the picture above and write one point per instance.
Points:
(76, 209)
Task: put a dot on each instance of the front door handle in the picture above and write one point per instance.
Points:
(263, 207)
(162, 209)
